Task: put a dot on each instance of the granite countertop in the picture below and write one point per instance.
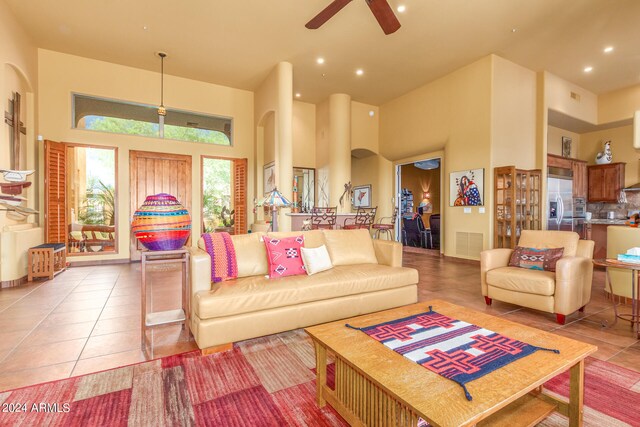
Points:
(606, 221)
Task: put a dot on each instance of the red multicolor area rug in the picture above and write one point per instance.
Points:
(267, 381)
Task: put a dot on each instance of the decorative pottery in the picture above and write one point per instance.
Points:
(12, 200)
(161, 223)
(13, 188)
(16, 176)
(606, 156)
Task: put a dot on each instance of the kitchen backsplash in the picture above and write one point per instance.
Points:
(600, 210)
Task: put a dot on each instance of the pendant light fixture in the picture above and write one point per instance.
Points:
(161, 110)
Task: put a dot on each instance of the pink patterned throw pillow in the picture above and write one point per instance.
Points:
(536, 259)
(284, 256)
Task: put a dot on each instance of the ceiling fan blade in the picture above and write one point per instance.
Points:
(326, 14)
(385, 16)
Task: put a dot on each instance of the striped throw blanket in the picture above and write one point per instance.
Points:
(224, 265)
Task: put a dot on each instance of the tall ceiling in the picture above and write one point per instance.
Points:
(237, 42)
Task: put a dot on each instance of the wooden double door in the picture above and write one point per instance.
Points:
(152, 173)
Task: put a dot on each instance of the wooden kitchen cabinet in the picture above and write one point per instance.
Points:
(554, 161)
(579, 169)
(598, 233)
(580, 187)
(605, 182)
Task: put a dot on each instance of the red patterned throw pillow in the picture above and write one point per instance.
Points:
(535, 259)
(284, 256)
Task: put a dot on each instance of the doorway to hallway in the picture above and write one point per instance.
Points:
(419, 202)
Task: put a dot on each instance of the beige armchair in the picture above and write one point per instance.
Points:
(561, 292)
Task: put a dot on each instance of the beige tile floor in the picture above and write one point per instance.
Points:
(88, 319)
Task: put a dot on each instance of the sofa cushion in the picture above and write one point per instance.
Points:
(544, 239)
(316, 259)
(250, 294)
(350, 247)
(284, 256)
(250, 254)
(312, 239)
(523, 280)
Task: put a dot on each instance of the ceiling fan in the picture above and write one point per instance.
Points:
(380, 9)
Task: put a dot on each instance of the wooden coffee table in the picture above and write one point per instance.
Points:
(376, 386)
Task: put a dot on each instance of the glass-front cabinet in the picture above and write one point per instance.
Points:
(517, 202)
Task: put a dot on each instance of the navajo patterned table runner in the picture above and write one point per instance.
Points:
(224, 265)
(451, 348)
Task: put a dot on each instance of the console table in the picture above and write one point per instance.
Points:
(161, 318)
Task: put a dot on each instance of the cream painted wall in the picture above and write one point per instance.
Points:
(275, 95)
(61, 74)
(18, 72)
(269, 124)
(304, 134)
(621, 145)
(376, 171)
(322, 153)
(365, 129)
(554, 141)
(453, 115)
(558, 98)
(513, 116)
(618, 105)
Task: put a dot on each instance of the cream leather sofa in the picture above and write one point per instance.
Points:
(367, 276)
(562, 292)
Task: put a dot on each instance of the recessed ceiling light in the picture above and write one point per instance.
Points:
(145, 28)
(320, 61)
(401, 8)
(608, 49)
(298, 95)
(371, 113)
(513, 30)
(588, 69)
(359, 71)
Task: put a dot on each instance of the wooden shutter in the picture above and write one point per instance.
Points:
(240, 195)
(55, 192)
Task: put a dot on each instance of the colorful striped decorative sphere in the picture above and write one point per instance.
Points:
(161, 223)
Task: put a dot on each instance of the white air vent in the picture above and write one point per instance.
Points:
(469, 244)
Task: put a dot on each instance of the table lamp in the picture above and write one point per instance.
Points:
(274, 200)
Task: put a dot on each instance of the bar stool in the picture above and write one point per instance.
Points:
(387, 228)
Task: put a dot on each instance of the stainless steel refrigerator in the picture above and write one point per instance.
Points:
(561, 214)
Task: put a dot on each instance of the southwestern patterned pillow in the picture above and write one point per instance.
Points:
(535, 259)
(284, 256)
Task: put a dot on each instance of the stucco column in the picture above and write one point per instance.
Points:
(284, 140)
(339, 149)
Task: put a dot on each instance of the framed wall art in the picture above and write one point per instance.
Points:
(269, 182)
(362, 196)
(466, 188)
(566, 146)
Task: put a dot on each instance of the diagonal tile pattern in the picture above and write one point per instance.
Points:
(88, 320)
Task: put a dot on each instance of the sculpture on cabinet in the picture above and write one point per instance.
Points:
(606, 156)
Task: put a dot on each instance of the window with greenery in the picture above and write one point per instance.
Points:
(91, 199)
(107, 115)
(217, 202)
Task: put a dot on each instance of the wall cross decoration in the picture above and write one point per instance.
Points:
(12, 118)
